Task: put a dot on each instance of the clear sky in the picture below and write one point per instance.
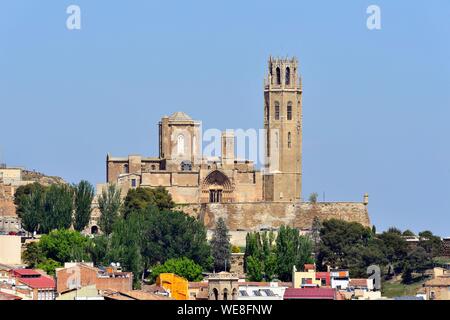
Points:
(376, 104)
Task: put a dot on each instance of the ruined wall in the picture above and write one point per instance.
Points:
(254, 216)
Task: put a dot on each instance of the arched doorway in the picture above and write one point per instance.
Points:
(234, 294)
(216, 294)
(217, 188)
(225, 294)
(94, 230)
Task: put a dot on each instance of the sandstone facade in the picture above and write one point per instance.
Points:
(225, 186)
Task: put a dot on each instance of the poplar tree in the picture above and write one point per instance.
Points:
(84, 193)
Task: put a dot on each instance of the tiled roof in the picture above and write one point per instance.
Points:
(358, 283)
(41, 282)
(26, 272)
(438, 282)
(196, 285)
(310, 293)
(133, 295)
(7, 296)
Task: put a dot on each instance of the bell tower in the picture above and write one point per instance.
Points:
(283, 128)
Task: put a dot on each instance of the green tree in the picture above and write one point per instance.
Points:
(313, 197)
(49, 266)
(33, 255)
(338, 240)
(430, 243)
(394, 247)
(182, 267)
(292, 249)
(109, 203)
(98, 250)
(64, 246)
(221, 247)
(408, 233)
(56, 248)
(254, 269)
(140, 198)
(84, 193)
(235, 249)
(22, 192)
(30, 207)
(270, 266)
(58, 208)
(173, 234)
(127, 245)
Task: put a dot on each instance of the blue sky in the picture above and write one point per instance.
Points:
(375, 107)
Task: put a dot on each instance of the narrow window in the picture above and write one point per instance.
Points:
(289, 140)
(277, 111)
(125, 169)
(133, 183)
(278, 76)
(289, 111)
(288, 76)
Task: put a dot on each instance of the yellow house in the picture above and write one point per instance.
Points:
(176, 285)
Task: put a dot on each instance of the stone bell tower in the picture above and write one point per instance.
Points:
(283, 128)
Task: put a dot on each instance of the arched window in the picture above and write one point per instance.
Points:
(180, 145)
(288, 76)
(277, 111)
(126, 168)
(278, 76)
(289, 140)
(289, 111)
(216, 294)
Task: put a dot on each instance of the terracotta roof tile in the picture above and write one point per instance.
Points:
(310, 293)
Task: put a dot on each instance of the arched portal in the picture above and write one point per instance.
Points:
(225, 294)
(234, 294)
(216, 294)
(217, 188)
(94, 230)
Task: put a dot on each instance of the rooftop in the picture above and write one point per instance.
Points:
(310, 293)
(179, 116)
(41, 282)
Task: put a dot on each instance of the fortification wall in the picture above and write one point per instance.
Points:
(254, 216)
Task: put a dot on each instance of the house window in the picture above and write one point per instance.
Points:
(277, 111)
(133, 183)
(126, 169)
(289, 111)
(289, 140)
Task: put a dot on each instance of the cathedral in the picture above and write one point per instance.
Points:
(192, 178)
(226, 186)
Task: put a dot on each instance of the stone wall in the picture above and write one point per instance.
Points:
(254, 216)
